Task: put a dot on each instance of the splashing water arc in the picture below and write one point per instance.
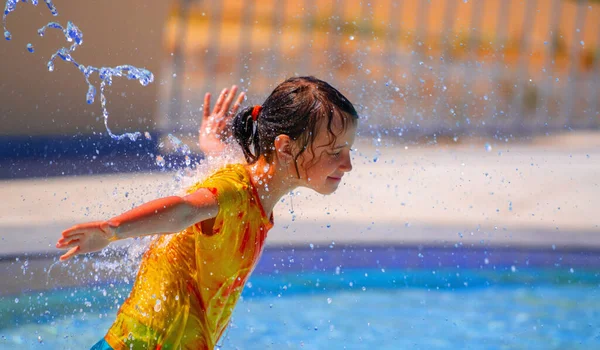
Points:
(74, 35)
(11, 5)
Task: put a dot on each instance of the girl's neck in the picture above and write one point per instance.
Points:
(271, 183)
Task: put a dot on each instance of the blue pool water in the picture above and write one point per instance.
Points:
(376, 308)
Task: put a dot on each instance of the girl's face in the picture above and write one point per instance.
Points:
(323, 170)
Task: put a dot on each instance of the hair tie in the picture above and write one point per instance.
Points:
(255, 112)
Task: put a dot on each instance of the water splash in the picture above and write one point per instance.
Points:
(74, 35)
(50, 270)
(179, 145)
(11, 5)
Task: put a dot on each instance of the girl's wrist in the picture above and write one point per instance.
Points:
(111, 230)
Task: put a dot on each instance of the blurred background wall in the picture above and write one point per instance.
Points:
(36, 102)
(415, 68)
(450, 67)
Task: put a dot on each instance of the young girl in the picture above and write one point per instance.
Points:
(188, 282)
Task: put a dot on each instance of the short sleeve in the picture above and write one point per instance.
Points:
(231, 192)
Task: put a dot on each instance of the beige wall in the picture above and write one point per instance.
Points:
(34, 101)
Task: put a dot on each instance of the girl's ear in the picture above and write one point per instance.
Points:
(284, 148)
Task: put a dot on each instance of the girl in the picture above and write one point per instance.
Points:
(188, 282)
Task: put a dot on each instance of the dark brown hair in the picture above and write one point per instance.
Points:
(295, 108)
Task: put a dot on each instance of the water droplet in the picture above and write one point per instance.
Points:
(90, 94)
(488, 147)
(329, 300)
(160, 161)
(30, 48)
(351, 37)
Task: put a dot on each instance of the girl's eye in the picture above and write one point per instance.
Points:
(335, 154)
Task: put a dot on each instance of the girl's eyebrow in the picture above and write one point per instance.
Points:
(340, 146)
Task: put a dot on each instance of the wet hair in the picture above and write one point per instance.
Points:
(295, 108)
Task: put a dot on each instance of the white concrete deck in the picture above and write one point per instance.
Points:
(538, 193)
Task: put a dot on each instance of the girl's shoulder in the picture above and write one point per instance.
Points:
(231, 172)
(231, 177)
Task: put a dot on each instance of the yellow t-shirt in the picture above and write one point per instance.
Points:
(189, 282)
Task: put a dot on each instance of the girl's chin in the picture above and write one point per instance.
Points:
(326, 192)
(328, 187)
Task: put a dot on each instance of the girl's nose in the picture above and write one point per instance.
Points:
(347, 164)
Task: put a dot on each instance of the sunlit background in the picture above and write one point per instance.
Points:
(417, 68)
(469, 220)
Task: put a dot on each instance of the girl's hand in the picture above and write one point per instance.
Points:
(215, 128)
(85, 238)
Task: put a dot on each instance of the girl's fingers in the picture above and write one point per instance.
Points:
(230, 97)
(220, 100)
(72, 237)
(206, 105)
(238, 103)
(70, 253)
(67, 245)
(75, 230)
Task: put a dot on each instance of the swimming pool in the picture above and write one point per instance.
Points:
(362, 298)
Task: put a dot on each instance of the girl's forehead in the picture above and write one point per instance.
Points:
(340, 122)
(343, 132)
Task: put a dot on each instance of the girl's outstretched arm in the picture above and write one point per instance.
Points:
(163, 215)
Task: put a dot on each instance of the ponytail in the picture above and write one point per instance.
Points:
(246, 134)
